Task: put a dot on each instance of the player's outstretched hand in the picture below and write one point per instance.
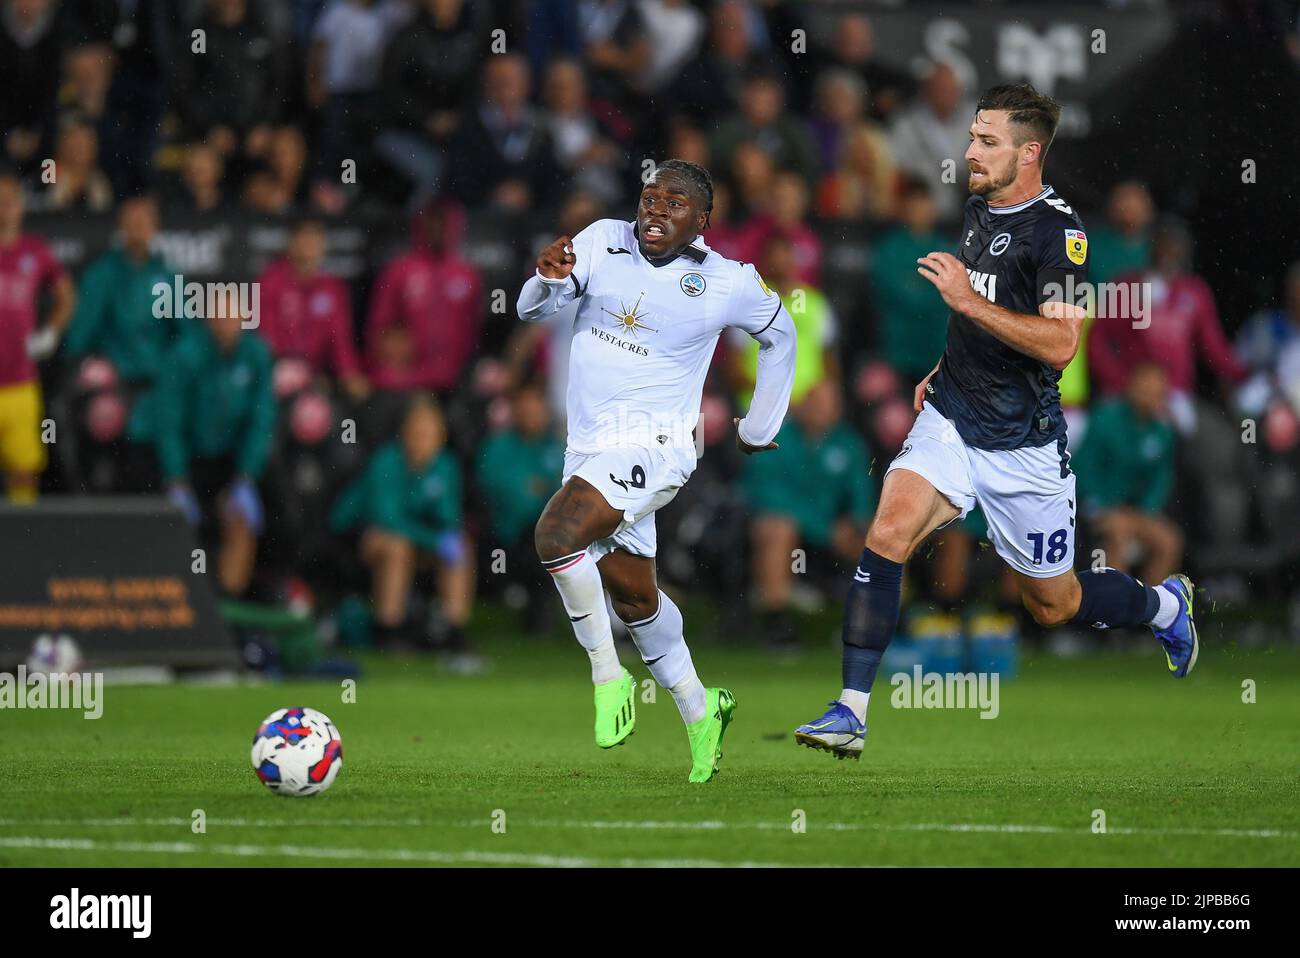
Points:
(745, 447)
(949, 277)
(557, 260)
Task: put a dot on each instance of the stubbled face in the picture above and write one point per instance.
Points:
(669, 215)
(992, 157)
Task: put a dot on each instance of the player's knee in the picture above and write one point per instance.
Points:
(551, 541)
(890, 538)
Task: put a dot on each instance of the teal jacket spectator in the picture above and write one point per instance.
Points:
(1111, 254)
(211, 402)
(115, 315)
(914, 320)
(812, 480)
(424, 506)
(1125, 459)
(517, 476)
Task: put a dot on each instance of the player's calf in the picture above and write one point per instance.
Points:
(1051, 602)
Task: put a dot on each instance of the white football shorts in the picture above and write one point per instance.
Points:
(1027, 494)
(635, 481)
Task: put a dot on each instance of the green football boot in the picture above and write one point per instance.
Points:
(706, 734)
(615, 711)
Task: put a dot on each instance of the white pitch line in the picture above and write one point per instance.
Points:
(813, 825)
(377, 854)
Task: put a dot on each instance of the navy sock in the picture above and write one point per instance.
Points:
(1114, 599)
(870, 617)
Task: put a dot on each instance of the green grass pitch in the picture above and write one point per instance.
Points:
(1184, 771)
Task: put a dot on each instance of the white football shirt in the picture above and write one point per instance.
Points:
(644, 335)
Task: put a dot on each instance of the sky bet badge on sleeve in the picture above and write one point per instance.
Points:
(1076, 246)
(766, 291)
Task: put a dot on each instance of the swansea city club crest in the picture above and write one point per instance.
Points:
(693, 284)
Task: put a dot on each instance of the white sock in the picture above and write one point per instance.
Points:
(605, 666)
(1168, 610)
(856, 702)
(583, 595)
(663, 649)
(692, 701)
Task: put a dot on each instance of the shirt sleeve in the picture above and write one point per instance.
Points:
(759, 311)
(1061, 261)
(542, 297)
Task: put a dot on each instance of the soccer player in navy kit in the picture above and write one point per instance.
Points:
(990, 429)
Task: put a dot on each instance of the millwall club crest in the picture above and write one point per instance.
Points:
(1000, 244)
(693, 284)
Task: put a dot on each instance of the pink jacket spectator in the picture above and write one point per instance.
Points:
(26, 267)
(1184, 324)
(807, 247)
(308, 318)
(425, 320)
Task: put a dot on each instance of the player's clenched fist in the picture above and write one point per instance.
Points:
(557, 260)
(950, 278)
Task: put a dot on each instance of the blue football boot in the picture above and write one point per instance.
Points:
(1179, 640)
(838, 732)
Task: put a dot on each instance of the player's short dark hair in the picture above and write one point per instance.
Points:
(1033, 115)
(694, 174)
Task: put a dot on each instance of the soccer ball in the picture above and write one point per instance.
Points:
(297, 752)
(54, 655)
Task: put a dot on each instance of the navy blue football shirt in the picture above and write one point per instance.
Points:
(1018, 257)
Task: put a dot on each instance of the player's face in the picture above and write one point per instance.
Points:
(668, 217)
(993, 157)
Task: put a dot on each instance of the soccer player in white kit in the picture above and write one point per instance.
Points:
(653, 300)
